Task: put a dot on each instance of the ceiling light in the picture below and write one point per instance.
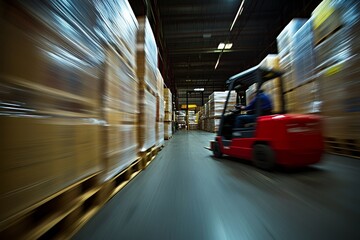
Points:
(221, 46)
(237, 14)
(188, 80)
(228, 45)
(199, 89)
(207, 35)
(217, 63)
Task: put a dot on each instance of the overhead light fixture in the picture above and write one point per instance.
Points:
(217, 63)
(221, 46)
(188, 80)
(199, 89)
(237, 14)
(228, 45)
(207, 35)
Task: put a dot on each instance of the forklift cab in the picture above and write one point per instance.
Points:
(239, 83)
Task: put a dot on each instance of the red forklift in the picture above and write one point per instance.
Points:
(290, 140)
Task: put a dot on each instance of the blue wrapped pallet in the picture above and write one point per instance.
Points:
(303, 54)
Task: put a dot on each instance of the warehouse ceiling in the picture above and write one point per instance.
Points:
(188, 33)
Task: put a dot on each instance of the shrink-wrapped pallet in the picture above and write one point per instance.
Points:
(160, 108)
(339, 89)
(303, 54)
(217, 102)
(147, 74)
(336, 29)
(285, 43)
(167, 130)
(285, 39)
(168, 100)
(120, 111)
(330, 15)
(147, 55)
(271, 87)
(42, 154)
(147, 121)
(52, 92)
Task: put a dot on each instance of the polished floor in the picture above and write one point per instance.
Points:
(187, 194)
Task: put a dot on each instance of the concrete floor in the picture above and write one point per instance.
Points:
(185, 193)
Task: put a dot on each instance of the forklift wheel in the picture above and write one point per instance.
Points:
(264, 157)
(216, 150)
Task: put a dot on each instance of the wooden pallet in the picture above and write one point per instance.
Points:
(149, 155)
(56, 215)
(344, 147)
(168, 138)
(63, 214)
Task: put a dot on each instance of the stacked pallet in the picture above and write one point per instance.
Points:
(298, 61)
(68, 111)
(272, 87)
(285, 44)
(336, 35)
(201, 119)
(49, 118)
(120, 109)
(168, 113)
(192, 120)
(213, 109)
(160, 110)
(147, 75)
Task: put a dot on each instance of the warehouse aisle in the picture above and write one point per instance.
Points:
(185, 193)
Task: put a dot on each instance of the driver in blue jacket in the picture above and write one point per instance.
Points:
(266, 109)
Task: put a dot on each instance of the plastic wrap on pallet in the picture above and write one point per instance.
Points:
(117, 26)
(307, 98)
(122, 147)
(290, 101)
(191, 117)
(147, 121)
(147, 54)
(41, 155)
(160, 107)
(160, 133)
(271, 61)
(65, 69)
(217, 102)
(120, 84)
(331, 15)
(168, 100)
(303, 54)
(340, 88)
(338, 47)
(288, 81)
(167, 130)
(213, 125)
(285, 38)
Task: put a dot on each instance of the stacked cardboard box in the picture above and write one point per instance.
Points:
(160, 110)
(214, 109)
(147, 74)
(120, 109)
(49, 113)
(336, 32)
(304, 54)
(285, 43)
(69, 97)
(340, 87)
(271, 87)
(168, 113)
(300, 83)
